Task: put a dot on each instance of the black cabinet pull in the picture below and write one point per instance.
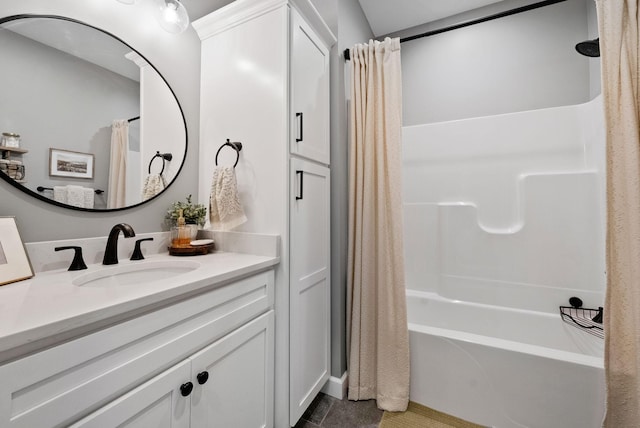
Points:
(186, 388)
(301, 124)
(202, 377)
(301, 173)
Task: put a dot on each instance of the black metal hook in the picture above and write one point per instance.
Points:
(237, 146)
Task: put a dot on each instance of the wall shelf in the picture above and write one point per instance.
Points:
(5, 154)
(6, 150)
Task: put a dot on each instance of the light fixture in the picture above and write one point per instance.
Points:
(172, 16)
(127, 1)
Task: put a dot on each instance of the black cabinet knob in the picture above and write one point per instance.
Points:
(203, 377)
(186, 388)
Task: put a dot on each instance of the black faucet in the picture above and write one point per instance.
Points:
(111, 251)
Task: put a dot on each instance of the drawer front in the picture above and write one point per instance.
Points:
(61, 384)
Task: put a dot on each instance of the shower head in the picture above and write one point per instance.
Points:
(589, 48)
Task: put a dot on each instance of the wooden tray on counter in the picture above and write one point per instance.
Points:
(191, 250)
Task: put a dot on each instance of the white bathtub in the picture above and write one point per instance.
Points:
(503, 367)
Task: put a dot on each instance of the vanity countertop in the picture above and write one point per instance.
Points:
(48, 308)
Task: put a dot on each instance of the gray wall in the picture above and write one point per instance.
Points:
(136, 25)
(521, 62)
(69, 104)
(349, 25)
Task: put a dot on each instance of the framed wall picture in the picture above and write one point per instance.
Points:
(65, 163)
(14, 260)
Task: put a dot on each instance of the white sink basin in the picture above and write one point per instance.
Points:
(136, 273)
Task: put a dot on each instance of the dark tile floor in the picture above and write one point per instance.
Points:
(329, 412)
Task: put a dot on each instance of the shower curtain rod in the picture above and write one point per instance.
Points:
(347, 54)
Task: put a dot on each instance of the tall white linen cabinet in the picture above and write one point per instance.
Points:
(265, 83)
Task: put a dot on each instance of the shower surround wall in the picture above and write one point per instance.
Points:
(507, 210)
(504, 222)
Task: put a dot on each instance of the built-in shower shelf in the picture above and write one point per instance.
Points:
(589, 320)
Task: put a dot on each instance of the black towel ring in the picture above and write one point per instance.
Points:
(237, 146)
(163, 156)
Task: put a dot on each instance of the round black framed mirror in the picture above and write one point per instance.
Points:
(87, 122)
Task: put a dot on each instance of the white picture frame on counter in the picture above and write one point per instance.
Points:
(14, 260)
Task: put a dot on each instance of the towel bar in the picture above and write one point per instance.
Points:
(42, 189)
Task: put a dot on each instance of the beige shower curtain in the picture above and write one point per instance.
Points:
(619, 44)
(116, 194)
(377, 334)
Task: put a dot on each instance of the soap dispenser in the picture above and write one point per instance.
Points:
(180, 234)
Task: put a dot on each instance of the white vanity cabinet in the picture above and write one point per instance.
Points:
(265, 83)
(150, 371)
(227, 384)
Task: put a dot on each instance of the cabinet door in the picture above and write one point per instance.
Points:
(310, 92)
(234, 378)
(157, 403)
(309, 284)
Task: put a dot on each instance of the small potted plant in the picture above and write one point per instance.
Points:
(194, 214)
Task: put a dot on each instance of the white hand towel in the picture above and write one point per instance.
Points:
(153, 185)
(225, 210)
(89, 195)
(75, 196)
(60, 194)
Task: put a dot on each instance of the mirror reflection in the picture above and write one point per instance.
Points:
(86, 121)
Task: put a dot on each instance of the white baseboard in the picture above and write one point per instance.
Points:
(337, 387)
